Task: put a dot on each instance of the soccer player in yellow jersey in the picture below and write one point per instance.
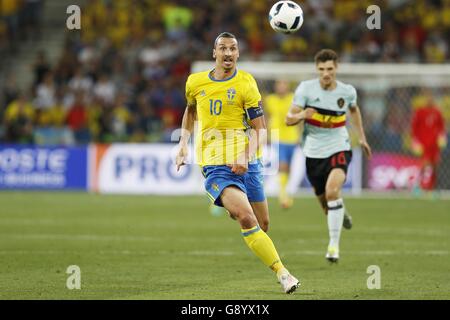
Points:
(227, 105)
(277, 105)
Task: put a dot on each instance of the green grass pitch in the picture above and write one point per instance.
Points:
(147, 247)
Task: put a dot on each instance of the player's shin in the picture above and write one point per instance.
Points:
(262, 246)
(283, 179)
(335, 218)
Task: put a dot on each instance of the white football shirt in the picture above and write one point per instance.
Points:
(325, 134)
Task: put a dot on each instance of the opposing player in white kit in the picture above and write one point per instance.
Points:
(322, 104)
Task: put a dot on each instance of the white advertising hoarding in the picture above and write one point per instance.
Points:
(150, 169)
(143, 169)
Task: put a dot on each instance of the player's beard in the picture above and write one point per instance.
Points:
(227, 67)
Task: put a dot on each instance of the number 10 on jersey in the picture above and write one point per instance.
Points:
(215, 107)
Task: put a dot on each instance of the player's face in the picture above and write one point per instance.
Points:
(226, 53)
(281, 87)
(327, 72)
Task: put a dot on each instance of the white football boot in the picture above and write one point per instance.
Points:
(288, 282)
(332, 254)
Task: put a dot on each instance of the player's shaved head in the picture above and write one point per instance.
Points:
(228, 35)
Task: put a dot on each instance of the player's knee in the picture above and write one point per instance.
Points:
(332, 194)
(246, 219)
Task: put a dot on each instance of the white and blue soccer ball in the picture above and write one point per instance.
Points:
(286, 16)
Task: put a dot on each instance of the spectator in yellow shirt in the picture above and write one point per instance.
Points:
(18, 120)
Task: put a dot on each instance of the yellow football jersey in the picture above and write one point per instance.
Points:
(222, 115)
(277, 108)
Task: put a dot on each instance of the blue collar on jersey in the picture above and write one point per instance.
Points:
(226, 79)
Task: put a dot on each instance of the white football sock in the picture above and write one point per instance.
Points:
(335, 218)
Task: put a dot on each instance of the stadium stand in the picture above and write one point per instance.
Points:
(121, 78)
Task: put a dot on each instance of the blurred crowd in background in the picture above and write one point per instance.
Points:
(19, 20)
(121, 77)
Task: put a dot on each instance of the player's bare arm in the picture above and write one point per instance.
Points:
(267, 120)
(187, 127)
(258, 135)
(355, 114)
(297, 114)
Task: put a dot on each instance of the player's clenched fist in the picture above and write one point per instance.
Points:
(239, 169)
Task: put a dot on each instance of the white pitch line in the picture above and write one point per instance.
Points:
(427, 243)
(226, 253)
(84, 237)
(96, 237)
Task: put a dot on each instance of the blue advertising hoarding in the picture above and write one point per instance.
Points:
(43, 168)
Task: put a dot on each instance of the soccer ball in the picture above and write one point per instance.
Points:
(286, 17)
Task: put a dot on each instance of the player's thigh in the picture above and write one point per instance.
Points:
(254, 183)
(284, 167)
(316, 171)
(286, 152)
(217, 178)
(261, 211)
(335, 181)
(236, 202)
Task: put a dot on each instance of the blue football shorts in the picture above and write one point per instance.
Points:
(220, 177)
(286, 152)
